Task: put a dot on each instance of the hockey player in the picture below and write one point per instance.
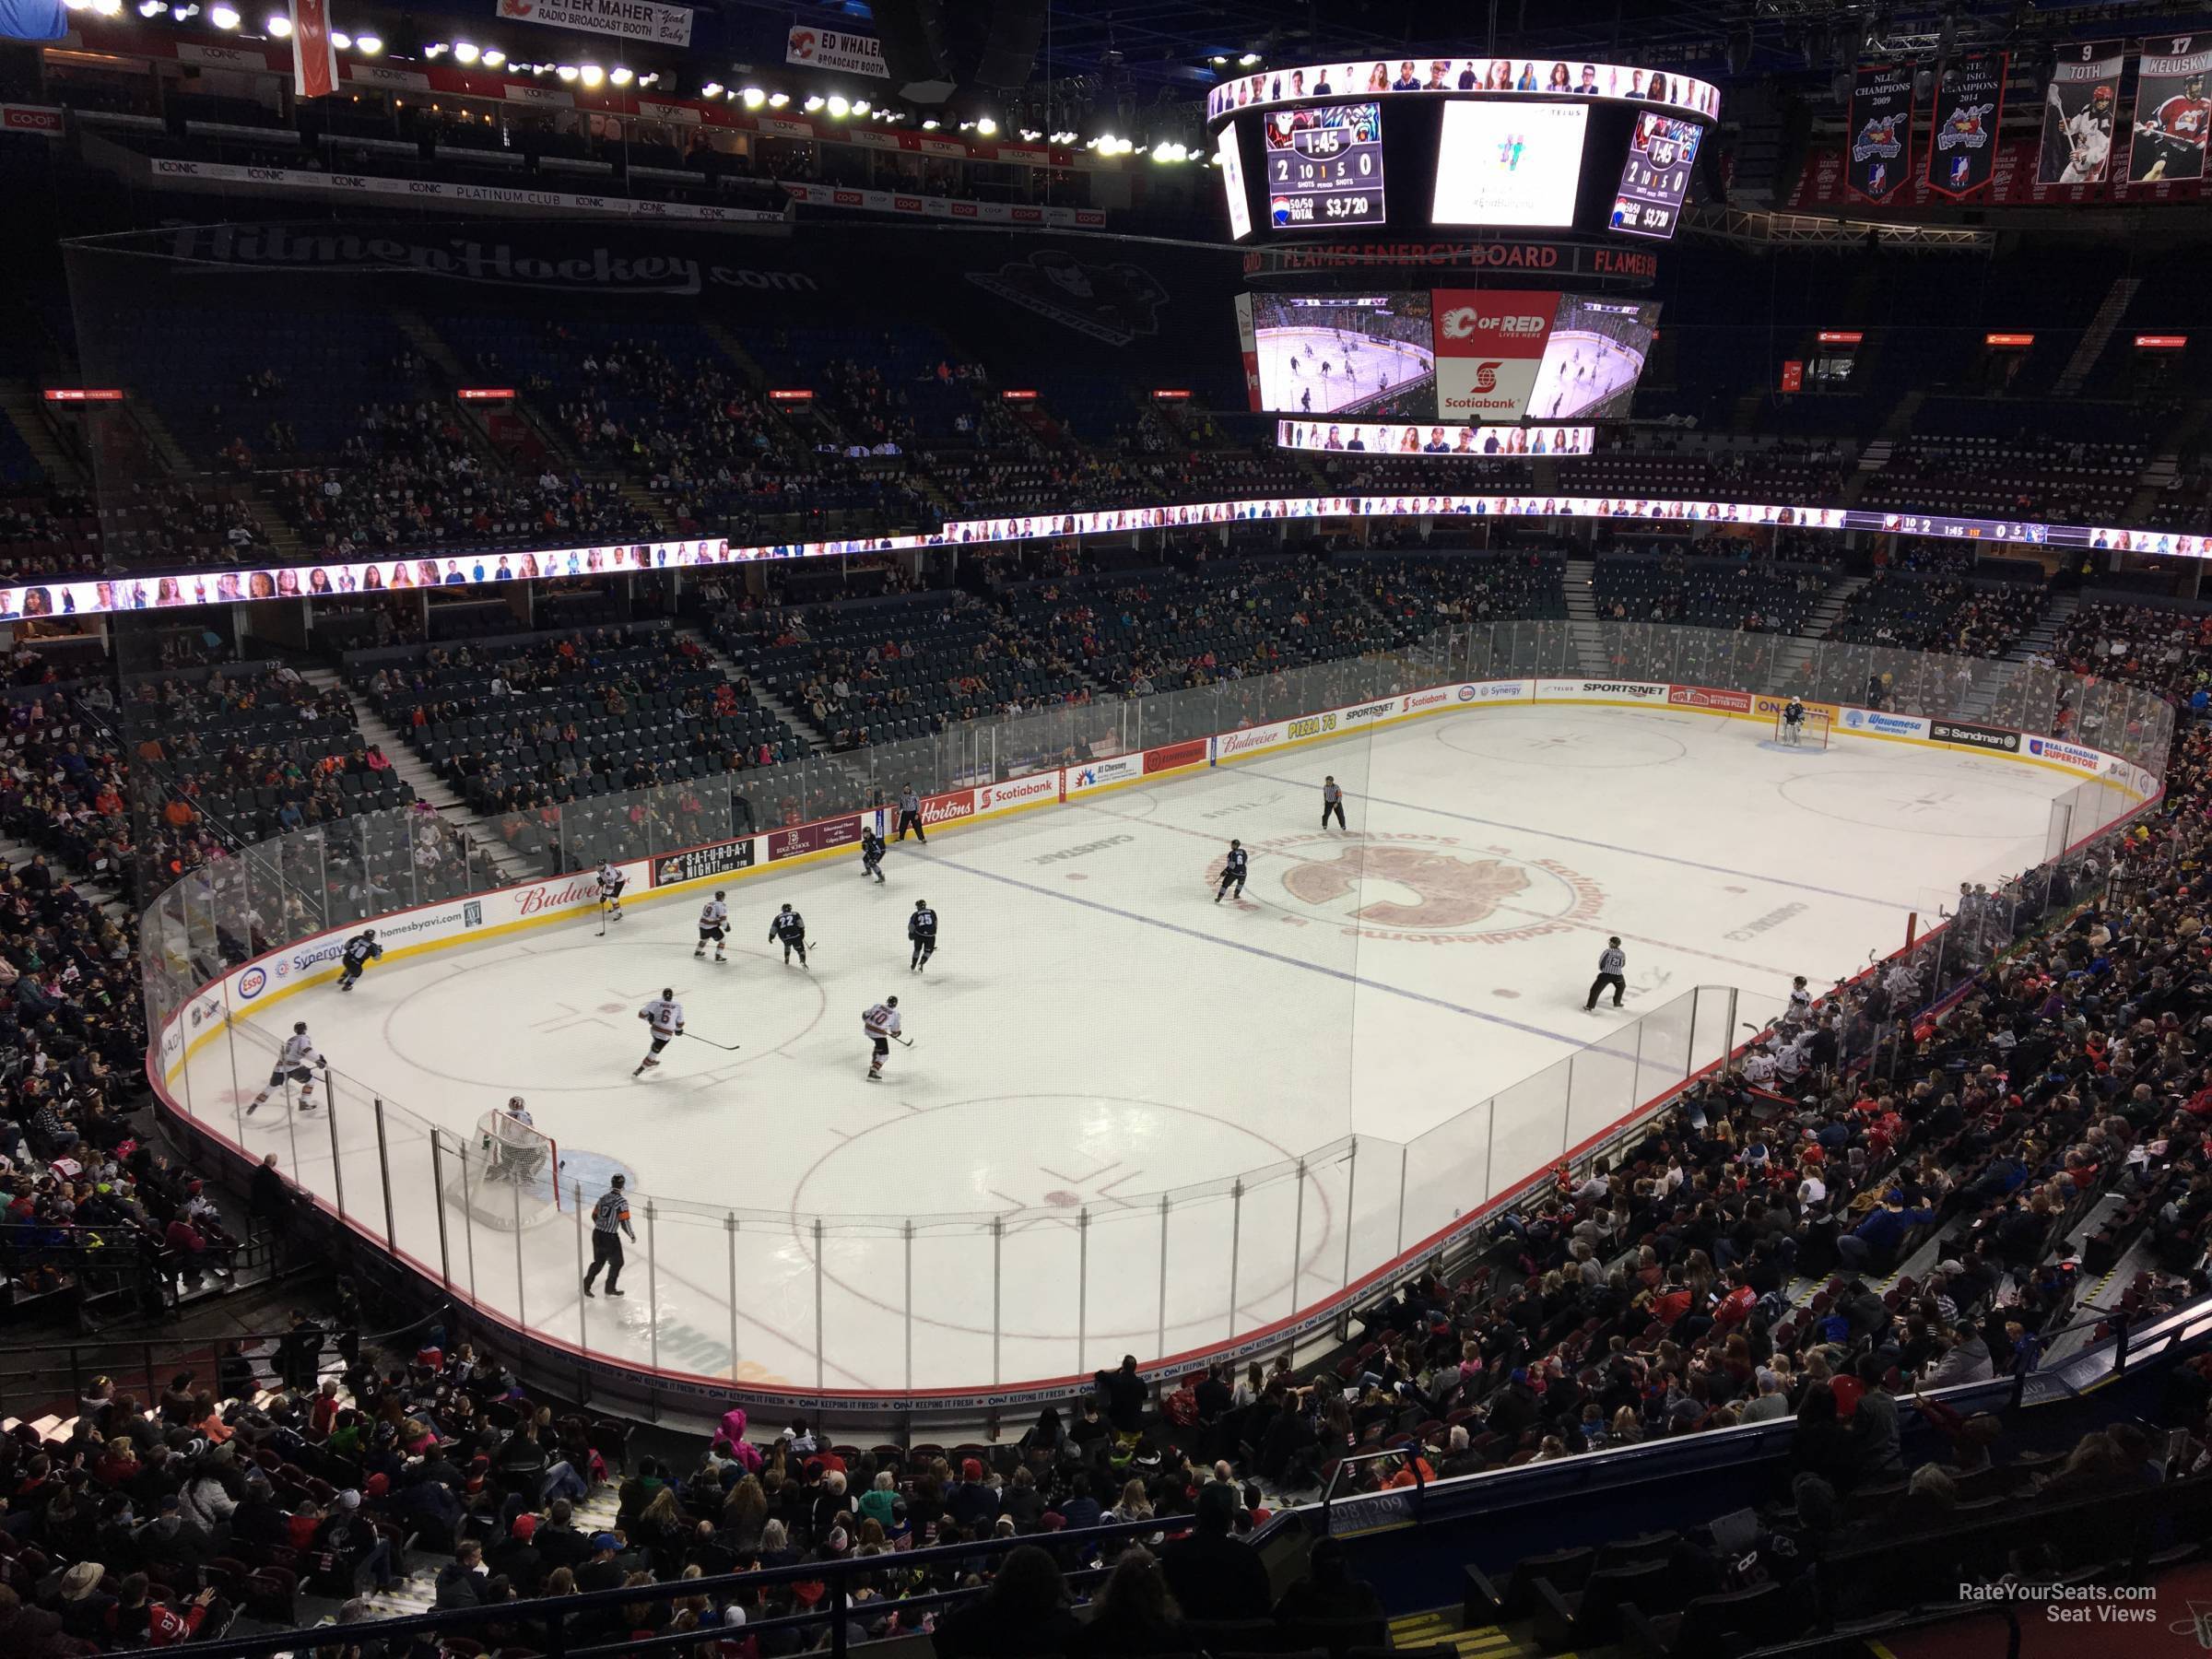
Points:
(788, 928)
(871, 851)
(1801, 1002)
(611, 883)
(663, 1016)
(922, 932)
(292, 1063)
(361, 950)
(713, 923)
(1610, 961)
(1331, 803)
(513, 1151)
(1792, 721)
(880, 1025)
(1233, 869)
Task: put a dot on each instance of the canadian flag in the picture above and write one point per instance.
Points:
(314, 56)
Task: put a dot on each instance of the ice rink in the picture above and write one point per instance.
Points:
(1368, 366)
(1096, 1029)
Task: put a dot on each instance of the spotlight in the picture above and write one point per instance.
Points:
(814, 102)
(278, 24)
(590, 74)
(652, 79)
(1247, 60)
(987, 127)
(567, 72)
(929, 123)
(711, 89)
(108, 8)
(838, 108)
(150, 8)
(436, 49)
(368, 45)
(224, 16)
(752, 97)
(620, 75)
(861, 106)
(494, 58)
(464, 51)
(776, 101)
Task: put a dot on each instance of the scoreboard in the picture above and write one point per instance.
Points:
(1656, 178)
(1325, 167)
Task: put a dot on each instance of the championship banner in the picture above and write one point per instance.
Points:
(1962, 128)
(2079, 108)
(2172, 115)
(315, 54)
(1879, 159)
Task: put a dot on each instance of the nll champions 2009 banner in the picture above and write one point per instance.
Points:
(1962, 128)
(1877, 158)
(2172, 115)
(2080, 109)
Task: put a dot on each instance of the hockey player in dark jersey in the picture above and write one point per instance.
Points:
(871, 852)
(922, 932)
(1233, 870)
(361, 950)
(789, 930)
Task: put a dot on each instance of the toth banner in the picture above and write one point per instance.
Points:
(1962, 126)
(1879, 143)
(2172, 115)
(2079, 108)
(314, 54)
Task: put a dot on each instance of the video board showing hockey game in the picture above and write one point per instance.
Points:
(1350, 353)
(1325, 167)
(1437, 439)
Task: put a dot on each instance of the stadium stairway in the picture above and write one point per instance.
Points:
(429, 787)
(766, 697)
(1840, 593)
(1446, 1628)
(23, 409)
(1581, 616)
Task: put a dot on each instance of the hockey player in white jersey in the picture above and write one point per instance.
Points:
(293, 1063)
(611, 883)
(663, 1016)
(880, 1025)
(713, 923)
(515, 1150)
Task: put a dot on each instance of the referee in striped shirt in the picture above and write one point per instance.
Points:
(1332, 802)
(610, 1221)
(1610, 961)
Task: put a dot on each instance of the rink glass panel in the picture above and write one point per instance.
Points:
(753, 1294)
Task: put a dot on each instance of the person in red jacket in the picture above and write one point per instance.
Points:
(138, 1621)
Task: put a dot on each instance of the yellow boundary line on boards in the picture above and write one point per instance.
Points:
(481, 935)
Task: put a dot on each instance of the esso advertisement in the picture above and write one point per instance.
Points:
(1098, 774)
(1021, 792)
(1490, 344)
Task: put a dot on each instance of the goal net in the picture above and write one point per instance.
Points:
(1811, 733)
(510, 1175)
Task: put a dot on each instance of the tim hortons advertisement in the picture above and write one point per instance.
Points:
(693, 862)
(1975, 737)
(1170, 756)
(1705, 697)
(948, 807)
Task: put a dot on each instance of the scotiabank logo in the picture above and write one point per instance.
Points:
(1417, 700)
(1485, 377)
(1021, 789)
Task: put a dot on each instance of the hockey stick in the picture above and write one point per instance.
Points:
(903, 1041)
(603, 918)
(728, 1047)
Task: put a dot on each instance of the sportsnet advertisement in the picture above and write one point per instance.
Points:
(2172, 114)
(1589, 690)
(1962, 128)
(1880, 138)
(2080, 107)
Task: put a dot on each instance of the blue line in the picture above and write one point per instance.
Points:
(1687, 864)
(1272, 956)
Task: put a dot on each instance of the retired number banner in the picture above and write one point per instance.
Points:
(2172, 115)
(1962, 129)
(1879, 160)
(2079, 108)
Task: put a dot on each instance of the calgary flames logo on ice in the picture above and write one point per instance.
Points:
(1425, 888)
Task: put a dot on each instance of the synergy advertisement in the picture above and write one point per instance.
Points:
(1325, 167)
(1509, 163)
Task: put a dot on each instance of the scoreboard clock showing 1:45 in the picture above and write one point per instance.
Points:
(1325, 167)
